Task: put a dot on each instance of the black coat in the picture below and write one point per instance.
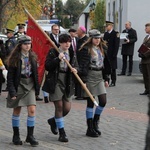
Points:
(113, 41)
(53, 39)
(128, 49)
(85, 62)
(52, 66)
(14, 75)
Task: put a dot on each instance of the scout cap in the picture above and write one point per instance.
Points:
(22, 39)
(94, 33)
(9, 30)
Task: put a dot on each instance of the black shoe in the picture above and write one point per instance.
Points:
(53, 126)
(38, 98)
(16, 140)
(46, 99)
(6, 90)
(144, 93)
(62, 136)
(129, 74)
(32, 141)
(121, 74)
(112, 85)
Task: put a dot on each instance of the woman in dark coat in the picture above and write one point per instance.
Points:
(22, 82)
(60, 80)
(94, 73)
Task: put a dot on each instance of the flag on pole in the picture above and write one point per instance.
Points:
(40, 44)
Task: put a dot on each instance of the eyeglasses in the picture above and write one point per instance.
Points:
(55, 29)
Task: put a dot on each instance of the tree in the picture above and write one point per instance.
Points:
(11, 11)
(73, 9)
(98, 18)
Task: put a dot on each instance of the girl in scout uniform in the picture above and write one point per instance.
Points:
(22, 81)
(60, 80)
(93, 73)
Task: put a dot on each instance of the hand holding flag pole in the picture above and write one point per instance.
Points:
(30, 18)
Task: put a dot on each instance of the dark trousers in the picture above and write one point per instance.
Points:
(113, 76)
(124, 60)
(146, 76)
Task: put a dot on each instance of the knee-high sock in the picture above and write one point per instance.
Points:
(15, 121)
(59, 122)
(99, 110)
(30, 121)
(89, 112)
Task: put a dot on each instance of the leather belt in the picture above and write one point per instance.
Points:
(62, 71)
(95, 69)
(24, 76)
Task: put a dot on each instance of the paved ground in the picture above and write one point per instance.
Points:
(123, 123)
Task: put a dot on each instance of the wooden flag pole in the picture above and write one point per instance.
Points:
(76, 75)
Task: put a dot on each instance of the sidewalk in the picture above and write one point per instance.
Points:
(123, 123)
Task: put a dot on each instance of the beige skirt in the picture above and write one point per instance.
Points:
(95, 83)
(25, 94)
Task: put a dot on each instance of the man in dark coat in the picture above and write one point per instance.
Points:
(82, 37)
(128, 48)
(113, 39)
(145, 61)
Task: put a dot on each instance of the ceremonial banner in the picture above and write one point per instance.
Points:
(40, 44)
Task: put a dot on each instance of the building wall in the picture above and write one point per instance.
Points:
(120, 11)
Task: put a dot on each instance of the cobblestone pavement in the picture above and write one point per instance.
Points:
(123, 123)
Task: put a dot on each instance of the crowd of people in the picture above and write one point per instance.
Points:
(92, 56)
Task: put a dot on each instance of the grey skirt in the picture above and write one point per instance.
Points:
(60, 93)
(25, 94)
(95, 83)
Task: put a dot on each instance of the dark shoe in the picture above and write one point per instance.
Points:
(30, 139)
(16, 137)
(46, 99)
(121, 74)
(53, 126)
(95, 124)
(129, 74)
(38, 98)
(16, 140)
(6, 90)
(144, 93)
(90, 131)
(112, 85)
(62, 136)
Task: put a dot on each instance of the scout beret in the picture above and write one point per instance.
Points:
(82, 28)
(94, 33)
(24, 39)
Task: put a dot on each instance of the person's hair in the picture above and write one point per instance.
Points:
(15, 56)
(148, 24)
(63, 38)
(54, 25)
(89, 44)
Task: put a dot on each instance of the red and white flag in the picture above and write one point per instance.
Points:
(41, 44)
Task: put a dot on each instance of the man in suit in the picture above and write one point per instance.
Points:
(145, 61)
(128, 48)
(113, 39)
(54, 36)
